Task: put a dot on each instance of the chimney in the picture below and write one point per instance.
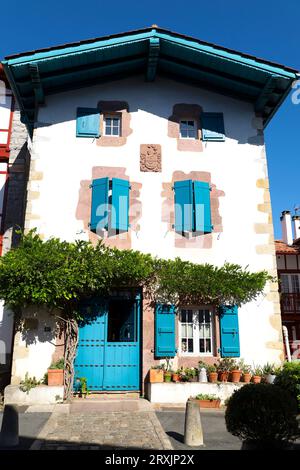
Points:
(296, 220)
(286, 226)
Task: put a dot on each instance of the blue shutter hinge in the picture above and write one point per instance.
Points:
(130, 186)
(173, 188)
(212, 227)
(90, 186)
(210, 188)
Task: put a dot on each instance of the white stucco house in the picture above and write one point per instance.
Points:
(152, 120)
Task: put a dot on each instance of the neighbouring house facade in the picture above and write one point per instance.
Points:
(288, 266)
(14, 162)
(153, 141)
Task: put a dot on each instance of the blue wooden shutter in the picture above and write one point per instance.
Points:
(88, 122)
(165, 337)
(202, 207)
(212, 126)
(120, 205)
(183, 206)
(229, 331)
(99, 209)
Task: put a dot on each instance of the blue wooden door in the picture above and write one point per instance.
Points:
(108, 352)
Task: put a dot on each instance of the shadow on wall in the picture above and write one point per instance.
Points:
(160, 106)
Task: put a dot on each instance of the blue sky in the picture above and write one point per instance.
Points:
(258, 27)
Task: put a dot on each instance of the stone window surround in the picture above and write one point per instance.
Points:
(120, 109)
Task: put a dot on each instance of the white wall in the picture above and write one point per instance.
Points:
(235, 166)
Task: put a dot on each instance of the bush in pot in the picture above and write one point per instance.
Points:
(257, 374)
(224, 366)
(212, 373)
(263, 416)
(56, 373)
(289, 379)
(269, 373)
(236, 371)
(208, 401)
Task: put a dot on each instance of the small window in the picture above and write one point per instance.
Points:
(188, 130)
(112, 126)
(196, 331)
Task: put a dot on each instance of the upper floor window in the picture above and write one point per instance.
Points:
(112, 126)
(196, 332)
(188, 129)
(290, 283)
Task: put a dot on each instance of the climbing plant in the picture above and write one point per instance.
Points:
(60, 275)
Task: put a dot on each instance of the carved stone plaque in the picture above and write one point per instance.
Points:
(150, 159)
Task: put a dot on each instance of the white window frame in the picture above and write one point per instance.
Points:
(196, 333)
(112, 116)
(194, 125)
(290, 283)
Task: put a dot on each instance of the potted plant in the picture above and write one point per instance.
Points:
(223, 367)
(269, 373)
(208, 401)
(192, 374)
(212, 373)
(236, 371)
(257, 374)
(56, 373)
(168, 375)
(176, 375)
(156, 374)
(246, 369)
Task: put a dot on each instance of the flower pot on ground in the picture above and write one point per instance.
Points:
(208, 401)
(156, 375)
(269, 373)
(56, 374)
(246, 372)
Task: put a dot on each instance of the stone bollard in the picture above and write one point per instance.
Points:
(193, 435)
(9, 436)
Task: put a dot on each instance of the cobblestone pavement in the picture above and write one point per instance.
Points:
(89, 427)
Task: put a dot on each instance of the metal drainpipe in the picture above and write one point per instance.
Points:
(286, 342)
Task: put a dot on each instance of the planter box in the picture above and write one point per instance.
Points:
(55, 377)
(208, 403)
(156, 375)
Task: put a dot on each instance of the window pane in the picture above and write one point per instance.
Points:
(183, 330)
(108, 121)
(284, 283)
(189, 330)
(207, 316)
(208, 345)
(191, 124)
(184, 133)
(202, 345)
(201, 316)
(190, 316)
(115, 131)
(190, 345)
(116, 122)
(295, 283)
(183, 345)
(201, 331)
(183, 316)
(191, 133)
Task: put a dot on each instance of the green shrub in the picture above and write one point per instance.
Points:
(206, 396)
(28, 383)
(289, 379)
(60, 364)
(262, 413)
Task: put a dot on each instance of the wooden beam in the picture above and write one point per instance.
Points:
(153, 57)
(36, 83)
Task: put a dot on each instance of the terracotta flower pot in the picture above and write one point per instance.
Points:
(55, 377)
(209, 403)
(156, 375)
(256, 379)
(246, 378)
(235, 376)
(223, 376)
(213, 377)
(175, 377)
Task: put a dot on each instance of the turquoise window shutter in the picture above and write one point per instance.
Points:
(202, 207)
(99, 209)
(213, 127)
(120, 205)
(229, 331)
(183, 206)
(165, 334)
(88, 122)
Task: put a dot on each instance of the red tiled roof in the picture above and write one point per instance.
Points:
(282, 247)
